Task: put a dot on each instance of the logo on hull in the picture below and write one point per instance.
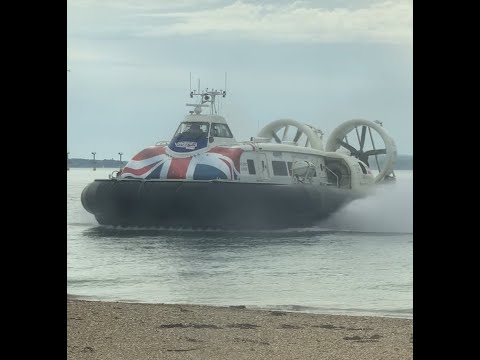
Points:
(190, 145)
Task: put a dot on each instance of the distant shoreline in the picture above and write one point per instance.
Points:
(88, 163)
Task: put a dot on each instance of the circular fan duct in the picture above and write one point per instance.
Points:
(305, 135)
(364, 144)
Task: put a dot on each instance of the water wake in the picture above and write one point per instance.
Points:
(389, 210)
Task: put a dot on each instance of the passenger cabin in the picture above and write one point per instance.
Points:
(291, 166)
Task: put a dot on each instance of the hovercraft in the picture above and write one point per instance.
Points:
(205, 178)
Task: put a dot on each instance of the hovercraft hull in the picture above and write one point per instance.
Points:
(211, 204)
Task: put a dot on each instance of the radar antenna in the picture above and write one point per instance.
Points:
(207, 97)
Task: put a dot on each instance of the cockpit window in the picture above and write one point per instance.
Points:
(192, 130)
(220, 130)
(190, 136)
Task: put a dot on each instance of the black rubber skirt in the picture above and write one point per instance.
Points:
(211, 204)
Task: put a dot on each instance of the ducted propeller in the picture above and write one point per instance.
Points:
(357, 129)
(305, 135)
(360, 153)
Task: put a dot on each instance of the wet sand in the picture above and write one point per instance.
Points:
(114, 330)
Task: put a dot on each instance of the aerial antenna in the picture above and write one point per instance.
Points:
(209, 95)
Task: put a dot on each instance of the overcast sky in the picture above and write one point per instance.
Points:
(318, 62)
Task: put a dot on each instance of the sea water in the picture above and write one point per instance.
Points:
(358, 262)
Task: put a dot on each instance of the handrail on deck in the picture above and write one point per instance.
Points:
(326, 167)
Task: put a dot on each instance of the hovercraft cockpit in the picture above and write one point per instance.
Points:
(190, 136)
(201, 132)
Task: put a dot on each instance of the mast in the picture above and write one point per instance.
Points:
(207, 98)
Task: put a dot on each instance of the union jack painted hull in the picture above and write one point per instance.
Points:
(155, 163)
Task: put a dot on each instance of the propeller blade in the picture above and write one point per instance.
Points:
(284, 137)
(277, 139)
(297, 135)
(353, 151)
(362, 140)
(375, 152)
(364, 159)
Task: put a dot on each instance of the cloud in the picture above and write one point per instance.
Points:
(384, 22)
(128, 5)
(377, 21)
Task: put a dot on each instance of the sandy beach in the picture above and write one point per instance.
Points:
(115, 330)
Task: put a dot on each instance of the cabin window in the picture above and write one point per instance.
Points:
(279, 168)
(251, 167)
(220, 130)
(364, 170)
